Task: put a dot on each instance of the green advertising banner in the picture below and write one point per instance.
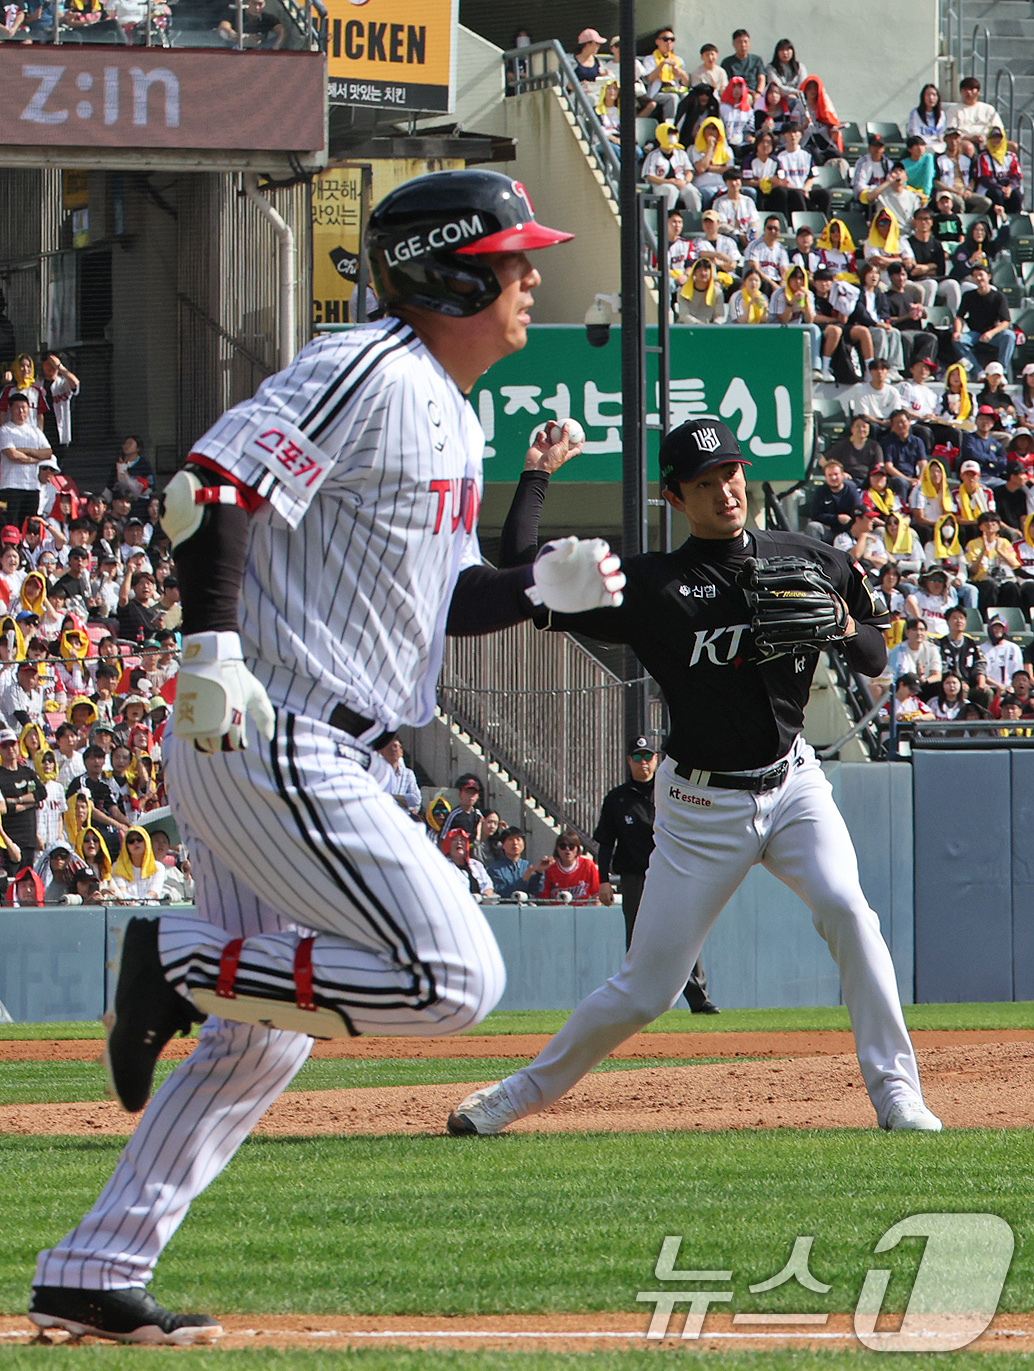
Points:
(757, 379)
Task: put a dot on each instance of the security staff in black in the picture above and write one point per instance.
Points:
(738, 786)
(625, 837)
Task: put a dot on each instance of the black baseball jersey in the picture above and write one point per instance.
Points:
(18, 785)
(625, 830)
(687, 621)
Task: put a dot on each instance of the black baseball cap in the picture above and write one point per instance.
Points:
(695, 447)
(641, 743)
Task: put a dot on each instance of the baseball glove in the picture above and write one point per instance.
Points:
(792, 605)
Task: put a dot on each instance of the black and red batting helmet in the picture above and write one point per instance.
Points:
(424, 239)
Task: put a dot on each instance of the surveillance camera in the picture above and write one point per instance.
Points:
(598, 318)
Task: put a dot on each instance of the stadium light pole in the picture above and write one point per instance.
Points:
(635, 537)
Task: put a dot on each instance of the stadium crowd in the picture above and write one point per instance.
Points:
(173, 23)
(89, 609)
(893, 250)
(490, 858)
(886, 244)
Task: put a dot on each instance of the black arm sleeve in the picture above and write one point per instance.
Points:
(486, 600)
(210, 567)
(867, 652)
(520, 540)
(605, 834)
(603, 859)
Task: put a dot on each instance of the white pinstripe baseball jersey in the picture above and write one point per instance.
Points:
(370, 459)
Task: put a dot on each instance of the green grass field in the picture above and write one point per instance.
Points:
(66, 1082)
(942, 1016)
(525, 1223)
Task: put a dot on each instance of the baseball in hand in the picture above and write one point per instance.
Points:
(575, 432)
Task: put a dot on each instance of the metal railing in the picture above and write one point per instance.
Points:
(981, 33)
(547, 64)
(1011, 96)
(951, 37)
(545, 710)
(1025, 124)
(956, 734)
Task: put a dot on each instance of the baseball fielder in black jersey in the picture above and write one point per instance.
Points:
(738, 786)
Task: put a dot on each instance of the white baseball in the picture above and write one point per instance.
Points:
(575, 432)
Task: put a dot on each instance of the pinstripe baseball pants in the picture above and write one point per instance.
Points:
(297, 833)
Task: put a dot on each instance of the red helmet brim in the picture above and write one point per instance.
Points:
(519, 238)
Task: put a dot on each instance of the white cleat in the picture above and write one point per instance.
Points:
(911, 1117)
(486, 1111)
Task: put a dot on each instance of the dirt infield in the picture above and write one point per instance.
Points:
(645, 1046)
(803, 1080)
(972, 1080)
(722, 1332)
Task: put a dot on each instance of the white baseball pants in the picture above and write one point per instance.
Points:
(707, 840)
(296, 834)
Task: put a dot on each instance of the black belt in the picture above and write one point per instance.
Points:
(348, 721)
(757, 785)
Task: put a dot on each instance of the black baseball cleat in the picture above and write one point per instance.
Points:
(707, 1008)
(128, 1315)
(148, 1012)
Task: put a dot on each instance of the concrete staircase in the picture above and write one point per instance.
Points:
(1011, 26)
(444, 750)
(608, 194)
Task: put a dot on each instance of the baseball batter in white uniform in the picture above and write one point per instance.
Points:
(738, 786)
(325, 541)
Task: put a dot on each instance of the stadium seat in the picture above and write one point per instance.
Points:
(1018, 627)
(975, 625)
(644, 131)
(1021, 246)
(889, 132)
(1004, 278)
(830, 176)
(854, 139)
(808, 218)
(829, 415)
(940, 316)
(857, 224)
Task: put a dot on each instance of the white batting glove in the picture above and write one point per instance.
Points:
(215, 692)
(573, 575)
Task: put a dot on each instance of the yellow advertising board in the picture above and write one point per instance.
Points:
(392, 54)
(336, 227)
